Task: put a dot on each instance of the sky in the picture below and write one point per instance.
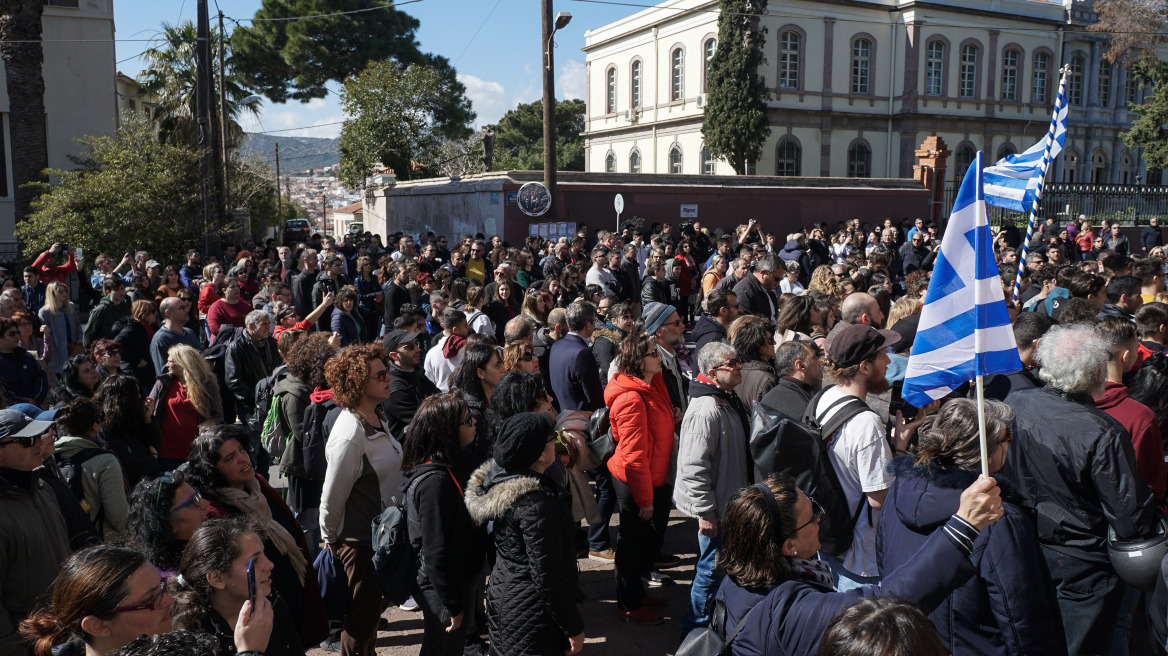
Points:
(500, 66)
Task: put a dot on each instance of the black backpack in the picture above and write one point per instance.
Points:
(71, 470)
(315, 428)
(780, 443)
(713, 640)
(395, 565)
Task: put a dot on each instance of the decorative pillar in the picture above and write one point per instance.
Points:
(930, 172)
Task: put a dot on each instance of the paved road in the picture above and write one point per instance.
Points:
(605, 633)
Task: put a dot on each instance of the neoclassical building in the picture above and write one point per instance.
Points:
(856, 85)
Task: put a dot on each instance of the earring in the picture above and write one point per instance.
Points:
(794, 553)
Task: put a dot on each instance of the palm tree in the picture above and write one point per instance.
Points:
(20, 44)
(170, 75)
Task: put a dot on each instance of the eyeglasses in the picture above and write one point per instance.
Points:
(732, 363)
(527, 357)
(195, 499)
(154, 604)
(469, 421)
(26, 441)
(11, 333)
(817, 514)
(673, 323)
(381, 376)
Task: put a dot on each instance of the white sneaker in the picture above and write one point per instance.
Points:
(410, 605)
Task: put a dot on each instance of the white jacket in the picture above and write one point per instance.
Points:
(347, 452)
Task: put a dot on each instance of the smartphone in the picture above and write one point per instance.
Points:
(251, 581)
(907, 410)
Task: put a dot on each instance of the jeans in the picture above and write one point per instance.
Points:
(1089, 597)
(706, 580)
(637, 543)
(843, 578)
(598, 534)
(1121, 642)
(435, 618)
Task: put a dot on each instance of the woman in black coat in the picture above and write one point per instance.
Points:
(126, 429)
(134, 336)
(531, 597)
(1009, 607)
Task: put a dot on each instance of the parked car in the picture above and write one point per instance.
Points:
(296, 230)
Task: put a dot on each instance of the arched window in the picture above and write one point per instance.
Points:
(635, 81)
(610, 162)
(610, 91)
(709, 164)
(1099, 169)
(1070, 166)
(1075, 81)
(859, 160)
(967, 86)
(788, 157)
(935, 68)
(677, 88)
(1038, 82)
(1104, 83)
(1127, 174)
(862, 66)
(962, 160)
(708, 49)
(675, 159)
(1010, 59)
(789, 49)
(1006, 149)
(635, 162)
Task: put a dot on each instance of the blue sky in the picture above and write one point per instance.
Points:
(500, 66)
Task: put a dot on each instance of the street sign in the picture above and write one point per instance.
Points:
(619, 204)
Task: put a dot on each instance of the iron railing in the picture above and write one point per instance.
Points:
(1127, 204)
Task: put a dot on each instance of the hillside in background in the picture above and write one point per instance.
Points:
(297, 154)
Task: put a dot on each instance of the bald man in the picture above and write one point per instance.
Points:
(857, 308)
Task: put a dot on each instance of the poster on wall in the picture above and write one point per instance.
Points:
(494, 198)
(571, 229)
(563, 229)
(533, 230)
(689, 211)
(512, 197)
(489, 227)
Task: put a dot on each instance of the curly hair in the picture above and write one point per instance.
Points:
(348, 373)
(68, 387)
(175, 643)
(119, 399)
(347, 292)
(513, 352)
(307, 359)
(432, 434)
(101, 348)
(213, 548)
(148, 526)
(821, 280)
(203, 462)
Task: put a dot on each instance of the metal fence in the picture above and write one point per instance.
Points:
(1127, 204)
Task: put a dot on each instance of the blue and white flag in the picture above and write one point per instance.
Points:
(964, 330)
(1015, 182)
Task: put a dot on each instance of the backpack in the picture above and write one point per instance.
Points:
(780, 443)
(267, 422)
(315, 427)
(395, 565)
(712, 640)
(71, 470)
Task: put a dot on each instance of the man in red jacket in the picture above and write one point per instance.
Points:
(1137, 418)
(47, 265)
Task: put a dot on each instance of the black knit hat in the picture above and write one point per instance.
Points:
(522, 440)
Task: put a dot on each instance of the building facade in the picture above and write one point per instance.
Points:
(856, 85)
(80, 91)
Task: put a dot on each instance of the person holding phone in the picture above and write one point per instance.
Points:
(215, 595)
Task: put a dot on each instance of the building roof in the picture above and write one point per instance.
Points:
(352, 209)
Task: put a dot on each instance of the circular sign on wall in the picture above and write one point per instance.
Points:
(534, 199)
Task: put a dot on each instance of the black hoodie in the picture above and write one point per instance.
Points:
(452, 548)
(706, 330)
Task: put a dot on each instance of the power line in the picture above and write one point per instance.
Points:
(339, 13)
(305, 127)
(472, 38)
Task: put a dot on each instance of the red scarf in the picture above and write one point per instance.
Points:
(453, 345)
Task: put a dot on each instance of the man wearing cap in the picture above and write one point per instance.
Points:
(408, 387)
(251, 358)
(154, 274)
(34, 539)
(859, 450)
(755, 291)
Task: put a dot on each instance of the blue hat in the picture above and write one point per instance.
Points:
(27, 408)
(655, 314)
(48, 415)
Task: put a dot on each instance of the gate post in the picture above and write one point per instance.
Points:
(930, 172)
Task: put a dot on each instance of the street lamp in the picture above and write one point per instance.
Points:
(549, 96)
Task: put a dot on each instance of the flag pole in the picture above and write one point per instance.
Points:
(981, 428)
(1046, 159)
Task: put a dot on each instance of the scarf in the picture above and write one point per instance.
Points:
(452, 346)
(252, 502)
(815, 572)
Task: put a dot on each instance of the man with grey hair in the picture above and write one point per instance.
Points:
(251, 358)
(713, 463)
(756, 291)
(800, 370)
(738, 269)
(1075, 468)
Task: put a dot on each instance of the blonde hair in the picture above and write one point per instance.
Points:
(197, 377)
(821, 281)
(905, 306)
(52, 304)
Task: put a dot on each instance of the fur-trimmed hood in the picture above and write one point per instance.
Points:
(928, 496)
(492, 491)
(609, 332)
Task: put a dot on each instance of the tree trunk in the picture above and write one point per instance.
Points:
(20, 21)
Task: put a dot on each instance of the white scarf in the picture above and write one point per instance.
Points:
(252, 502)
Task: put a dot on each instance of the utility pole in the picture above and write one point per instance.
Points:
(324, 216)
(207, 135)
(223, 122)
(279, 194)
(549, 107)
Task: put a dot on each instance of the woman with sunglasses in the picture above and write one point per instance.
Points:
(164, 513)
(452, 548)
(1009, 606)
(220, 468)
(106, 354)
(606, 339)
(364, 465)
(103, 597)
(641, 415)
(770, 535)
(212, 592)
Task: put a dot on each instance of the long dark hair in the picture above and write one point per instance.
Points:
(213, 548)
(518, 391)
(203, 463)
(68, 387)
(1150, 386)
(466, 377)
(119, 398)
(796, 315)
(433, 432)
(91, 582)
(148, 526)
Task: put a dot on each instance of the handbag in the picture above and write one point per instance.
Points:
(709, 640)
(600, 435)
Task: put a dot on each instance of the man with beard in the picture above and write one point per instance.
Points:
(408, 385)
(859, 450)
(287, 266)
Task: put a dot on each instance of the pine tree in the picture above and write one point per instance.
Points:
(735, 123)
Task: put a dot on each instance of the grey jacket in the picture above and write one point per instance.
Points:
(713, 457)
(103, 485)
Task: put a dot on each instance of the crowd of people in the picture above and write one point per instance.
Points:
(513, 399)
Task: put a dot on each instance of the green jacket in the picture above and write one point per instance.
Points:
(103, 486)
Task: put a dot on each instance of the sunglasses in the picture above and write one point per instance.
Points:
(154, 604)
(817, 514)
(26, 441)
(381, 376)
(732, 363)
(527, 357)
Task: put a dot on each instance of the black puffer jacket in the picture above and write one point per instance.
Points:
(531, 598)
(131, 334)
(654, 291)
(1075, 468)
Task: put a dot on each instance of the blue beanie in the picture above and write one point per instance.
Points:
(655, 314)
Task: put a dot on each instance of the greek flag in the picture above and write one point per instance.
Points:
(1014, 182)
(964, 330)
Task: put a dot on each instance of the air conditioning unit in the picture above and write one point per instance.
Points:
(701, 100)
(631, 115)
